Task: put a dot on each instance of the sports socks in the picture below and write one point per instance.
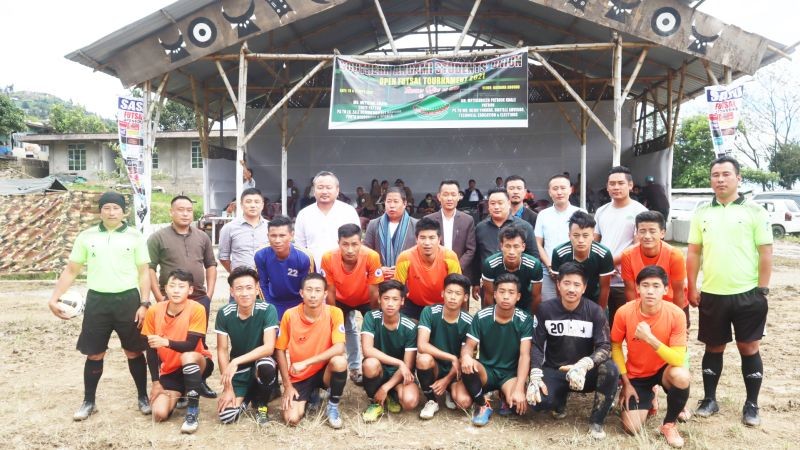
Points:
(425, 381)
(266, 377)
(712, 369)
(472, 381)
(138, 368)
(338, 380)
(676, 401)
(753, 373)
(605, 392)
(371, 386)
(92, 371)
(192, 378)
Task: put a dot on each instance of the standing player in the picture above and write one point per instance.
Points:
(652, 250)
(423, 267)
(655, 333)
(616, 228)
(389, 340)
(241, 238)
(512, 259)
(504, 335)
(552, 228)
(598, 264)
(116, 260)
(179, 362)
(312, 334)
(282, 266)
(734, 238)
(246, 333)
(353, 272)
(317, 224)
(441, 333)
(571, 351)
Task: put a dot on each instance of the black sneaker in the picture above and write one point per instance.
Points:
(206, 391)
(706, 407)
(144, 405)
(86, 410)
(750, 415)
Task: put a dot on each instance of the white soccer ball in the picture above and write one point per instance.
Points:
(72, 303)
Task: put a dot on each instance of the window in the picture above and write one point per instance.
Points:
(197, 155)
(154, 158)
(76, 157)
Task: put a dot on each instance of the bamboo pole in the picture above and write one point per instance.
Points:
(283, 100)
(284, 159)
(241, 142)
(584, 125)
(617, 75)
(563, 111)
(467, 25)
(574, 95)
(712, 79)
(635, 73)
(227, 85)
(386, 27)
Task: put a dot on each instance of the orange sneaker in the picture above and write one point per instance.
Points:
(670, 432)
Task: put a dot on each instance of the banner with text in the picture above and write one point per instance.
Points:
(724, 110)
(431, 94)
(131, 124)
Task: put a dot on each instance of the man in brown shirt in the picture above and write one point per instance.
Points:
(182, 246)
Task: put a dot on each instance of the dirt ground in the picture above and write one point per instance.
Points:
(43, 386)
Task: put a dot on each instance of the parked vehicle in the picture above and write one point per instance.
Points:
(784, 216)
(791, 195)
(683, 208)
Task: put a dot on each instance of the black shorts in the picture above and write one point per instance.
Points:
(307, 387)
(411, 309)
(747, 312)
(105, 313)
(173, 381)
(346, 309)
(644, 389)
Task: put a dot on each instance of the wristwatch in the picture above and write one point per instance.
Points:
(763, 290)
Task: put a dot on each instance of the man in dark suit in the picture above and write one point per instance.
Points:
(456, 228)
(392, 232)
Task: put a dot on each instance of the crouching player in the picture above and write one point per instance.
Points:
(571, 350)
(174, 331)
(655, 332)
(312, 335)
(504, 334)
(441, 332)
(389, 343)
(246, 333)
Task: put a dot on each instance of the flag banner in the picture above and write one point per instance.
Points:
(131, 123)
(724, 110)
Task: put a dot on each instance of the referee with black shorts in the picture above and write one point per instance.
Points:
(731, 239)
(116, 260)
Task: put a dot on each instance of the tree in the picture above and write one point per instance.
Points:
(12, 119)
(758, 176)
(176, 117)
(787, 164)
(692, 153)
(75, 119)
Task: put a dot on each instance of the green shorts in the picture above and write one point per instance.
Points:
(496, 378)
(244, 381)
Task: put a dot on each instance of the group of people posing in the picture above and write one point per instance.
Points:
(569, 302)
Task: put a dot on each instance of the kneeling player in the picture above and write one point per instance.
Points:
(441, 333)
(246, 333)
(504, 334)
(655, 332)
(312, 334)
(571, 351)
(389, 343)
(174, 330)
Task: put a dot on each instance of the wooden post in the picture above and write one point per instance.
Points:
(616, 146)
(284, 159)
(584, 125)
(467, 25)
(240, 124)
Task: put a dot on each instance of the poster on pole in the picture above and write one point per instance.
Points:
(131, 125)
(724, 110)
(435, 93)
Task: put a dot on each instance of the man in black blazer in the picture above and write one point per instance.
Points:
(456, 228)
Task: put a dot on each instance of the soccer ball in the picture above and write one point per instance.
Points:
(72, 303)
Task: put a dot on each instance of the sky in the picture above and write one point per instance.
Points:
(36, 34)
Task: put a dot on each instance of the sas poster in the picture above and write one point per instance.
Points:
(131, 123)
(724, 110)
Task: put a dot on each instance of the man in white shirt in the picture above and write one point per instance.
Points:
(616, 228)
(552, 228)
(457, 229)
(317, 225)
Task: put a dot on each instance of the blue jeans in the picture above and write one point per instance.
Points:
(352, 342)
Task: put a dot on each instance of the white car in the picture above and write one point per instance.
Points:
(784, 215)
(683, 208)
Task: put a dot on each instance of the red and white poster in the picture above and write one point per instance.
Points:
(724, 110)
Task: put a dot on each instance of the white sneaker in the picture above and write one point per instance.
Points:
(430, 408)
(448, 401)
(596, 431)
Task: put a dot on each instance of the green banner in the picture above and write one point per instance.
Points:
(434, 93)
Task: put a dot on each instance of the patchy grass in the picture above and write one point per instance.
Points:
(160, 201)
